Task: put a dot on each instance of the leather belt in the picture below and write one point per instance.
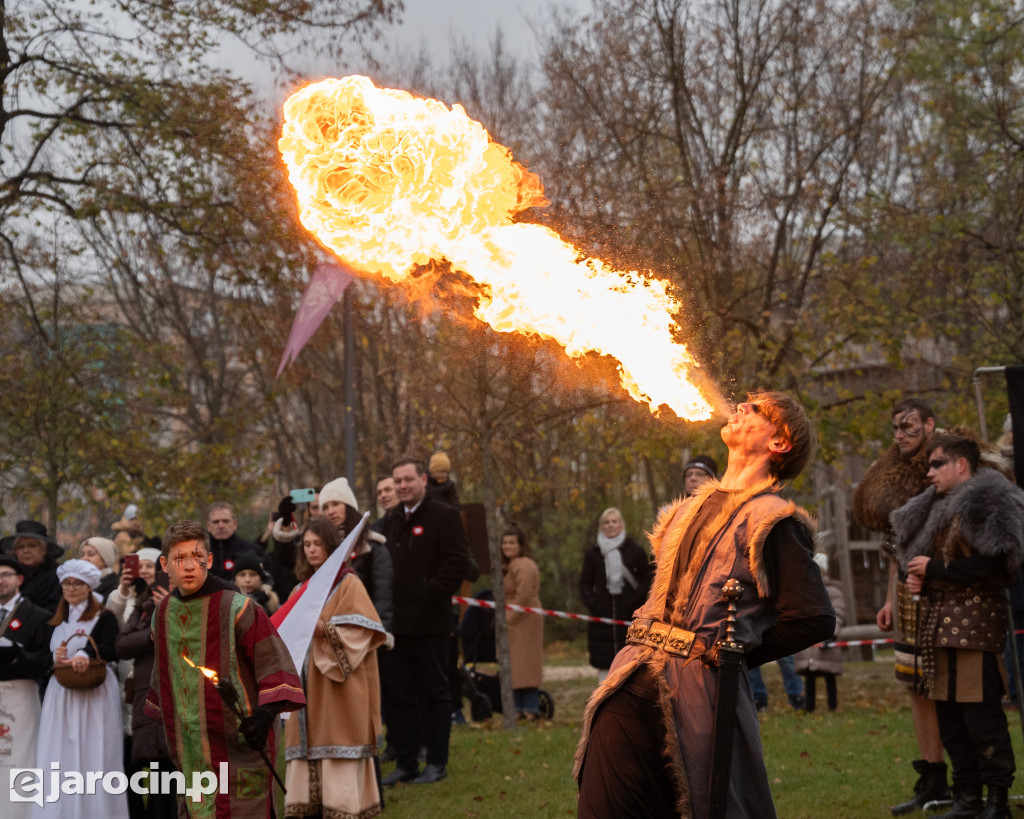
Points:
(656, 634)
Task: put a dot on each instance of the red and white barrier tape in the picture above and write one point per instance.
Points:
(566, 615)
(845, 643)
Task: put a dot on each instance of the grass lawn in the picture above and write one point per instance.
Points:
(851, 763)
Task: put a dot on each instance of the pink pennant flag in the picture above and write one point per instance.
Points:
(328, 283)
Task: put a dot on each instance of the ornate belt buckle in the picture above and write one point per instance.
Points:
(637, 632)
(679, 642)
(658, 634)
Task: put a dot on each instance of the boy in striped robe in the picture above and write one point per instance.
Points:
(209, 622)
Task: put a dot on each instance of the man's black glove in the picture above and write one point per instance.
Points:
(256, 728)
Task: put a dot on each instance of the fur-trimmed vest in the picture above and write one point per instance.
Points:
(746, 519)
(889, 483)
(985, 515)
(729, 545)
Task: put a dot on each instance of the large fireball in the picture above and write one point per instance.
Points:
(389, 182)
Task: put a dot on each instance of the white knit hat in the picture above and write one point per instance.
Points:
(149, 553)
(339, 490)
(80, 570)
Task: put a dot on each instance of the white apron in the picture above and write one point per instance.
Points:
(19, 726)
(80, 729)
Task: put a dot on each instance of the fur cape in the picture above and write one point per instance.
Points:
(984, 514)
(889, 483)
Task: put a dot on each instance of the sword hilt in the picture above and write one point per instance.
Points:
(732, 591)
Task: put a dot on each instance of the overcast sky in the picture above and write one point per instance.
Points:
(431, 20)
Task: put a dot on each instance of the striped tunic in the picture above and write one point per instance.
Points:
(220, 629)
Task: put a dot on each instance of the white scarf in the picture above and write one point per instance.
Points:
(614, 568)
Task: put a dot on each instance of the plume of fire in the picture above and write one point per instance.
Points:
(390, 182)
(209, 673)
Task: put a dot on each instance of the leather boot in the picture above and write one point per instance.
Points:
(996, 806)
(930, 787)
(968, 804)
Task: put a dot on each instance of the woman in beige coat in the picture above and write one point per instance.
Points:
(525, 630)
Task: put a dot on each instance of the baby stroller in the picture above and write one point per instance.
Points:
(482, 689)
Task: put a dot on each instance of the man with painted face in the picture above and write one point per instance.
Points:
(898, 475)
(959, 544)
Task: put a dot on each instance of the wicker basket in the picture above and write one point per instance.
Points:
(92, 677)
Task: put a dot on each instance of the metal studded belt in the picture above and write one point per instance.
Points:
(656, 634)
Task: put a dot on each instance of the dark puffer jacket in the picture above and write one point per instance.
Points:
(604, 641)
(374, 569)
(149, 742)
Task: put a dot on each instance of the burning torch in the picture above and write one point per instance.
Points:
(230, 697)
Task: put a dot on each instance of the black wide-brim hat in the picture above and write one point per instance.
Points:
(36, 531)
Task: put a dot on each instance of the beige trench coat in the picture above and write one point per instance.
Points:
(525, 631)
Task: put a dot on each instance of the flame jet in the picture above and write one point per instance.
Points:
(389, 182)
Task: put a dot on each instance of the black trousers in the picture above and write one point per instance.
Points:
(975, 734)
(414, 675)
(624, 774)
(831, 695)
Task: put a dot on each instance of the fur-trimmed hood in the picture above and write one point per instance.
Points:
(986, 513)
(889, 483)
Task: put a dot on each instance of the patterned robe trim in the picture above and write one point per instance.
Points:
(319, 810)
(673, 521)
(279, 687)
(331, 752)
(338, 647)
(334, 638)
(357, 620)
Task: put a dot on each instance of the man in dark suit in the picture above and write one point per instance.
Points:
(429, 555)
(24, 663)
